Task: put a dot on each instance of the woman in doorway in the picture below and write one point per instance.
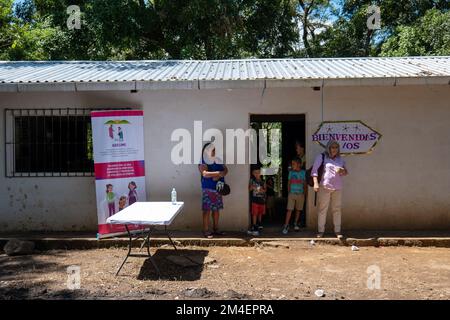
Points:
(330, 187)
(212, 170)
(300, 152)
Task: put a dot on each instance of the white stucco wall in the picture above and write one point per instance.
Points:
(403, 184)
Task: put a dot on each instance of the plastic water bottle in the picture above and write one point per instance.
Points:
(174, 196)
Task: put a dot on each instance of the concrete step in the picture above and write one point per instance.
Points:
(77, 241)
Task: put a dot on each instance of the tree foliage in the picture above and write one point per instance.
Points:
(220, 29)
(430, 35)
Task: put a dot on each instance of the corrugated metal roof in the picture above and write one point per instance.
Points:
(194, 71)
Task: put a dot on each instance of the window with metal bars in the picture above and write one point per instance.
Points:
(48, 143)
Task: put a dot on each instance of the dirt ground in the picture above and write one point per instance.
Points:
(260, 272)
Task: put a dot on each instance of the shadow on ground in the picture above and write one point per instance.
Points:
(174, 265)
(18, 278)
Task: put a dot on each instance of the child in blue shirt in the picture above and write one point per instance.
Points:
(296, 196)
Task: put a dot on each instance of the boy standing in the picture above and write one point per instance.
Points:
(257, 188)
(296, 197)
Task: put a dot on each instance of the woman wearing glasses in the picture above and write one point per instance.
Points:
(329, 187)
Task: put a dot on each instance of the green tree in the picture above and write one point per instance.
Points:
(130, 29)
(313, 16)
(22, 37)
(430, 35)
(71, 44)
(200, 29)
(6, 27)
(349, 35)
(219, 29)
(32, 41)
(270, 28)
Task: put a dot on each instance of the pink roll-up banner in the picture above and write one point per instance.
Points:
(118, 146)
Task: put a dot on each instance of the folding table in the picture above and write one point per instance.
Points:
(149, 215)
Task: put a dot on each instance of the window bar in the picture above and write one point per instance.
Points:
(91, 161)
(29, 143)
(36, 146)
(80, 123)
(60, 144)
(6, 147)
(89, 125)
(19, 144)
(84, 162)
(52, 143)
(75, 141)
(67, 143)
(13, 146)
(44, 145)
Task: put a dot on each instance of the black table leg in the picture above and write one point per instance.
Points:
(168, 236)
(129, 250)
(144, 239)
(149, 255)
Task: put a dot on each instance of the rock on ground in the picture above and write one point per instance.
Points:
(15, 247)
(198, 293)
(275, 244)
(231, 294)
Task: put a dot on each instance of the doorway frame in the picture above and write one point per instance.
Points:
(309, 156)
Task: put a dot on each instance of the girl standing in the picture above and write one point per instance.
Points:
(110, 199)
(132, 194)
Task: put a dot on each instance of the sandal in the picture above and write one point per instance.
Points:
(218, 233)
(207, 234)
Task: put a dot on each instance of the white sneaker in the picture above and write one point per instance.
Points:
(296, 227)
(285, 230)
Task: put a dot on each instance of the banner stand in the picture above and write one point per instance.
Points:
(118, 147)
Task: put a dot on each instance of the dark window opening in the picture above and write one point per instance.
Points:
(52, 144)
(48, 142)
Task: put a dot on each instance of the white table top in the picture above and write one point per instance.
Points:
(147, 213)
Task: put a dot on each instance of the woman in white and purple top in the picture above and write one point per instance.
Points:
(330, 187)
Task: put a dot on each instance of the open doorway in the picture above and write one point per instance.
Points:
(293, 130)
